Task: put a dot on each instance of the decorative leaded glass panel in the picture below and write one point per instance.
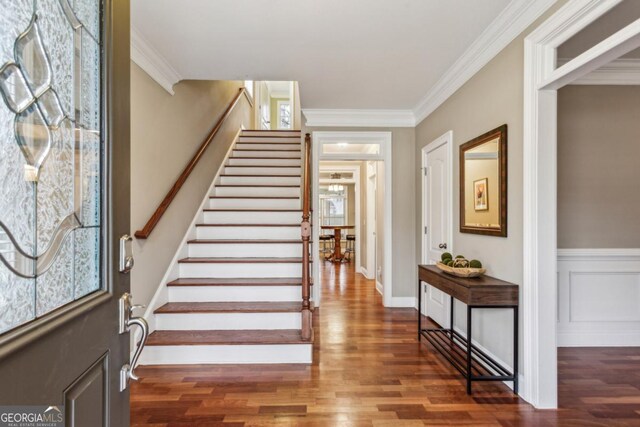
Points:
(50, 156)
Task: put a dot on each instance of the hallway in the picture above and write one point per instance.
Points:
(368, 371)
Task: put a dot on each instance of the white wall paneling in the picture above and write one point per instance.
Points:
(598, 297)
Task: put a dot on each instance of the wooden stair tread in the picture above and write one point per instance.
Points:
(287, 150)
(241, 241)
(261, 176)
(258, 185)
(262, 166)
(231, 307)
(250, 210)
(265, 158)
(246, 225)
(216, 260)
(238, 337)
(215, 281)
(254, 197)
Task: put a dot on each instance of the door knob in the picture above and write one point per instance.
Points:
(442, 246)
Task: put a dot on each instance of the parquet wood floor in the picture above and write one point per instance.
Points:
(369, 370)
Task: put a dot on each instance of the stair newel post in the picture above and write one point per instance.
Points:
(307, 331)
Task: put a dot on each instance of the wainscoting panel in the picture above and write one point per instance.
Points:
(598, 297)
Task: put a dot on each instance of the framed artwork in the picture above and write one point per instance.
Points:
(481, 194)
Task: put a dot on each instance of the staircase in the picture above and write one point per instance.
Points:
(238, 297)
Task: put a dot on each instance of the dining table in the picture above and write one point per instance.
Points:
(336, 256)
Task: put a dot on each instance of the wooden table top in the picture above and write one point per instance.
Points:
(477, 291)
(336, 227)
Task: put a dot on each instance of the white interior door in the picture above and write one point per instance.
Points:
(436, 196)
(371, 221)
(265, 107)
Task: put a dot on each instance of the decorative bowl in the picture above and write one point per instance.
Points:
(461, 272)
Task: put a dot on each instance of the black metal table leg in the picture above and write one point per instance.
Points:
(451, 316)
(419, 309)
(469, 349)
(515, 349)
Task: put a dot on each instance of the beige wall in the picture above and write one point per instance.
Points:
(403, 219)
(492, 97)
(598, 167)
(165, 133)
(273, 111)
(351, 205)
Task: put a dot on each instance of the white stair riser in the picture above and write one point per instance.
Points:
(268, 140)
(226, 321)
(258, 191)
(254, 203)
(266, 153)
(260, 180)
(234, 293)
(267, 146)
(230, 270)
(263, 162)
(230, 170)
(241, 250)
(248, 233)
(223, 354)
(271, 133)
(266, 217)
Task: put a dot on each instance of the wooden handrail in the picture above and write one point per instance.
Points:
(307, 327)
(164, 205)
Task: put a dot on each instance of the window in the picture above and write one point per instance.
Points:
(284, 115)
(333, 205)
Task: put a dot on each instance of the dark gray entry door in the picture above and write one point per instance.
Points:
(64, 205)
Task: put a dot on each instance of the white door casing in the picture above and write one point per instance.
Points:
(371, 220)
(383, 140)
(540, 276)
(437, 221)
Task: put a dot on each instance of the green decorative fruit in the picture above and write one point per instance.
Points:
(446, 256)
(450, 262)
(474, 263)
(460, 257)
(460, 263)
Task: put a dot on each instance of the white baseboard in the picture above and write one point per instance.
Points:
(379, 288)
(362, 271)
(599, 339)
(403, 302)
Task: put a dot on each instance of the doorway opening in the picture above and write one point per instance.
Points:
(603, 55)
(352, 207)
(278, 106)
(348, 219)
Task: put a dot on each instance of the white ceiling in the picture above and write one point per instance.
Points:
(346, 54)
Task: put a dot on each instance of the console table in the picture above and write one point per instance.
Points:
(477, 293)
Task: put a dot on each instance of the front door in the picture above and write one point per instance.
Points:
(436, 219)
(64, 204)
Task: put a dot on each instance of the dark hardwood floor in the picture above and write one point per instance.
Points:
(369, 370)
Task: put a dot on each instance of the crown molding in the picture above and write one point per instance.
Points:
(359, 118)
(154, 64)
(509, 24)
(619, 72)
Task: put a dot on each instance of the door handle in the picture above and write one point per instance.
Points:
(127, 320)
(442, 246)
(126, 257)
